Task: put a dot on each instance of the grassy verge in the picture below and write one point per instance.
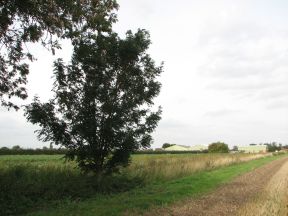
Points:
(156, 194)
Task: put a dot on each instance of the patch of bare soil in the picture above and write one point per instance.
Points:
(227, 199)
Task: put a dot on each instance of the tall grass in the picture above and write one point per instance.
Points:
(166, 167)
(28, 182)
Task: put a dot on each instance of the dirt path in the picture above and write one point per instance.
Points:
(231, 198)
(273, 200)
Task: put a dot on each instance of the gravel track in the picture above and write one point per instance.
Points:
(227, 199)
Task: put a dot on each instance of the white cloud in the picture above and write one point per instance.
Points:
(226, 69)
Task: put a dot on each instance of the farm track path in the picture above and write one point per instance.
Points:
(230, 197)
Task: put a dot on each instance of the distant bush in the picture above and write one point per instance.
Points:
(16, 148)
(218, 147)
(166, 145)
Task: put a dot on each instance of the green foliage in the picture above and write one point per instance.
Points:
(45, 22)
(28, 183)
(101, 110)
(272, 147)
(218, 147)
(16, 148)
(166, 145)
(4, 148)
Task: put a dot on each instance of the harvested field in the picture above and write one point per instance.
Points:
(253, 193)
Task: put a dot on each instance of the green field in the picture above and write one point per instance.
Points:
(46, 185)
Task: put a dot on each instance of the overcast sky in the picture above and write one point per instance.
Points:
(225, 71)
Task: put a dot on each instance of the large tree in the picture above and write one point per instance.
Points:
(46, 22)
(102, 108)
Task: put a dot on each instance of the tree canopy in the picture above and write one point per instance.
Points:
(102, 105)
(46, 22)
(272, 147)
(166, 145)
(218, 147)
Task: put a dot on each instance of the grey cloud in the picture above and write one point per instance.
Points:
(278, 104)
(222, 64)
(172, 124)
(232, 33)
(246, 85)
(234, 70)
(243, 50)
(221, 112)
(274, 94)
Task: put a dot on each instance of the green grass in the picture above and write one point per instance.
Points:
(158, 193)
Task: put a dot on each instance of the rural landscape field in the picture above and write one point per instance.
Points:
(177, 184)
(143, 108)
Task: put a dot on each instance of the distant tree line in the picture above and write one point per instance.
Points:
(17, 150)
(217, 147)
(221, 147)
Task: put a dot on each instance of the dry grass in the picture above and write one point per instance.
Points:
(151, 167)
(162, 167)
(273, 200)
